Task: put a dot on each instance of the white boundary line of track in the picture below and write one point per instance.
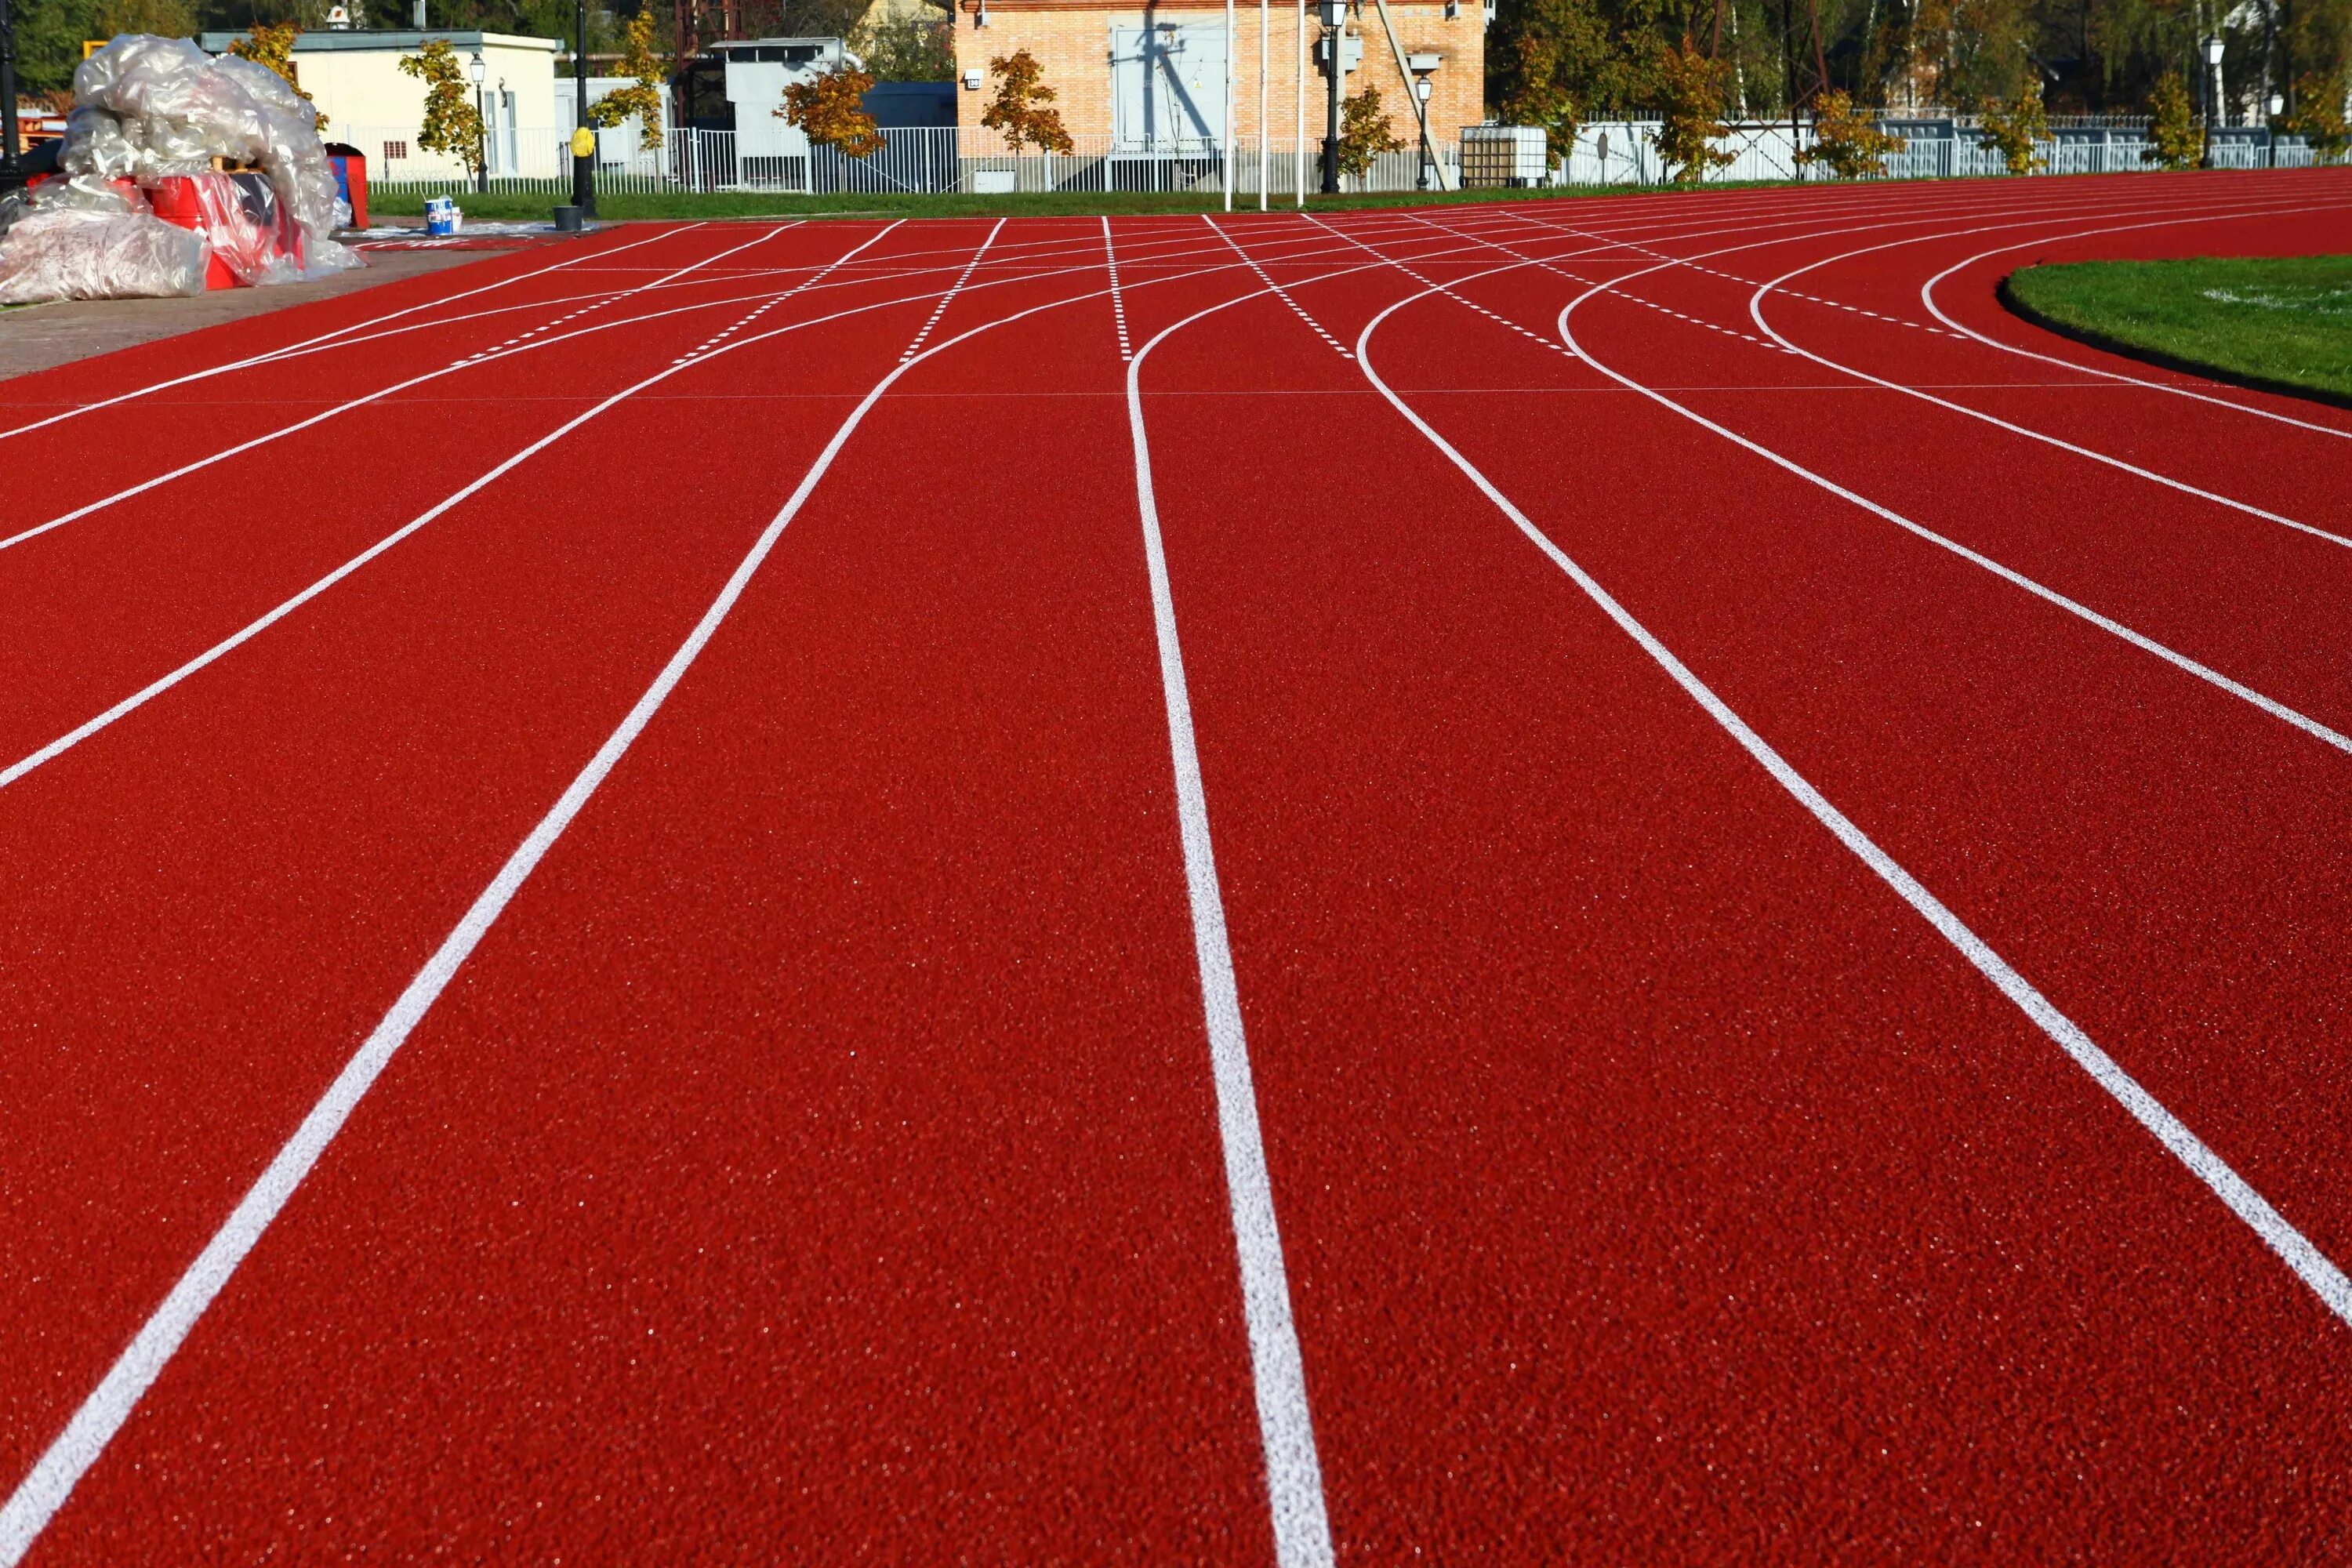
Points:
(2325, 1279)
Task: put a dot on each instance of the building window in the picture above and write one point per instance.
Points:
(394, 150)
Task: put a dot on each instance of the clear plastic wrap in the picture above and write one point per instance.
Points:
(147, 108)
(75, 253)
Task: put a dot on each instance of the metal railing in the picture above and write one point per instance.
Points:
(930, 160)
(940, 159)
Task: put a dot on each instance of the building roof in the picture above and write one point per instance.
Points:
(366, 39)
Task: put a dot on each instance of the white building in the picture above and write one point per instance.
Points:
(354, 76)
(621, 146)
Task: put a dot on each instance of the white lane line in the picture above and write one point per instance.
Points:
(100, 1416)
(1462, 300)
(155, 689)
(2308, 1263)
(1302, 1529)
(1117, 298)
(1960, 328)
(309, 344)
(1280, 292)
(948, 298)
(94, 1424)
(264, 439)
(2179, 660)
(813, 281)
(1756, 311)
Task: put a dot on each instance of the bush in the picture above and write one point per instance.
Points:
(2014, 128)
(1847, 142)
(2175, 140)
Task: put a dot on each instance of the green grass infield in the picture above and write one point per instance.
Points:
(2281, 324)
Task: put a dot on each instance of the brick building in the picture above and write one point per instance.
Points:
(1153, 77)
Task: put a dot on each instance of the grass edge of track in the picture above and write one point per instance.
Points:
(2109, 323)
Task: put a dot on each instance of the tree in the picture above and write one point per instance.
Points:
(162, 18)
(1847, 142)
(2175, 139)
(453, 123)
(1690, 97)
(915, 46)
(1018, 111)
(2014, 129)
(830, 109)
(2318, 115)
(273, 47)
(1549, 63)
(1364, 132)
(646, 71)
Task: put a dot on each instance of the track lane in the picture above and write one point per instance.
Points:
(2147, 874)
(1059, 821)
(1635, 1052)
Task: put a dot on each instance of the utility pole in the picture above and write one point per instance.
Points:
(1335, 37)
(583, 167)
(12, 169)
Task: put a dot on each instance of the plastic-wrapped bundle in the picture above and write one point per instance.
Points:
(148, 107)
(75, 253)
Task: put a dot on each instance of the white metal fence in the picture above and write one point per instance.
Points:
(936, 160)
(915, 159)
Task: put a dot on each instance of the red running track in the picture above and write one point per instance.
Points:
(1615, 880)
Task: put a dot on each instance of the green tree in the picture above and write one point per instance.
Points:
(162, 18)
(452, 121)
(646, 71)
(2016, 128)
(831, 110)
(1847, 142)
(1690, 100)
(1019, 112)
(915, 46)
(2318, 115)
(2176, 140)
(1365, 132)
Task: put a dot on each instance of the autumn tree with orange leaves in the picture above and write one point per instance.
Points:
(831, 110)
(1019, 112)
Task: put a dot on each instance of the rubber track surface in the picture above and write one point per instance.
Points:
(817, 1154)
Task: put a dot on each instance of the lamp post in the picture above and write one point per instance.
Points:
(1422, 87)
(12, 171)
(481, 142)
(583, 165)
(1334, 13)
(2214, 45)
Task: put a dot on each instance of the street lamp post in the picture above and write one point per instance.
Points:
(12, 170)
(1334, 13)
(478, 71)
(1420, 90)
(2214, 45)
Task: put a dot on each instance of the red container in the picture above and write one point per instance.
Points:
(240, 215)
(350, 178)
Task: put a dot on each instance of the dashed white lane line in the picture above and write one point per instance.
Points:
(1282, 293)
(595, 301)
(948, 298)
(1118, 298)
(759, 311)
(1573, 276)
(1428, 282)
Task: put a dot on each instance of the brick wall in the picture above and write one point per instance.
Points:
(1071, 42)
